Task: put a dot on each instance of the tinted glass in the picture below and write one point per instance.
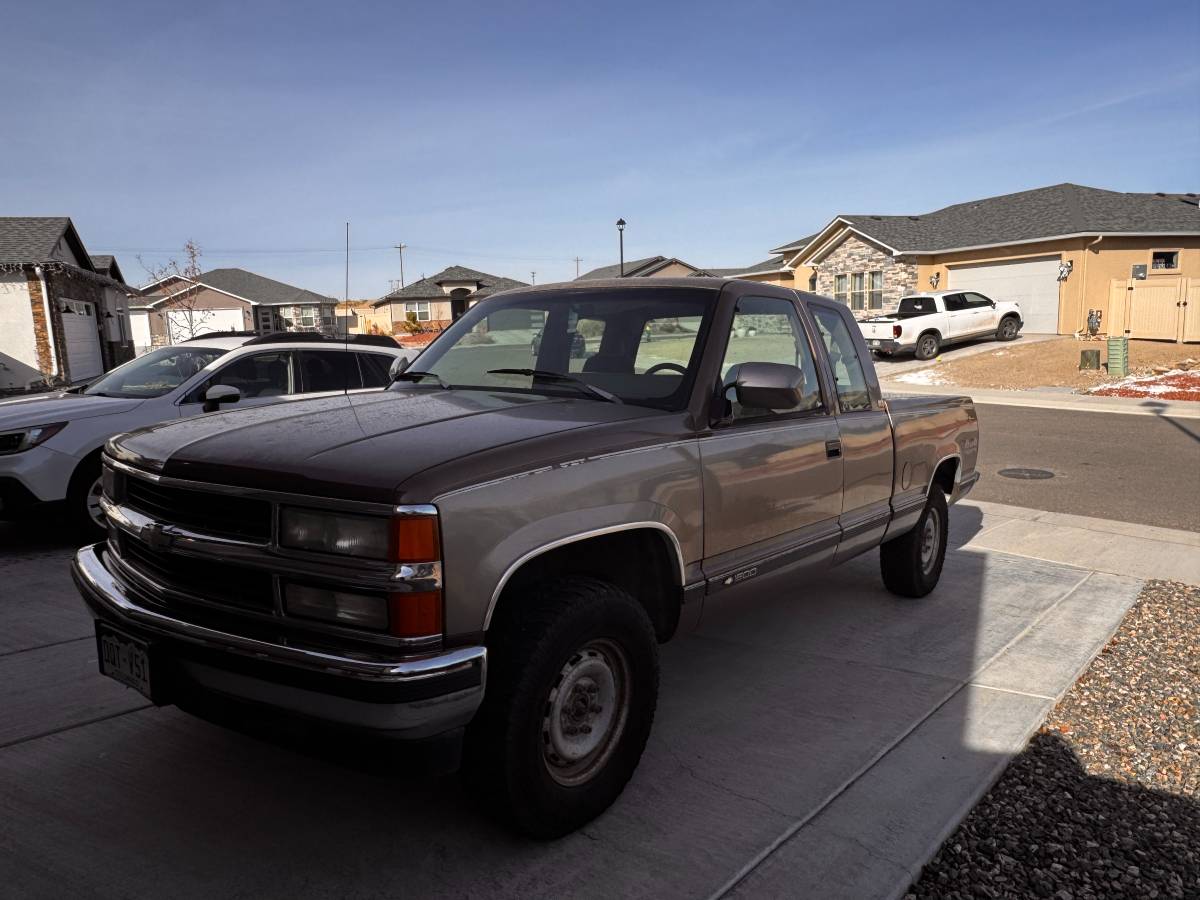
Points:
(257, 375)
(374, 369)
(641, 346)
(955, 302)
(843, 359)
(974, 301)
(328, 370)
(767, 329)
(916, 306)
(155, 373)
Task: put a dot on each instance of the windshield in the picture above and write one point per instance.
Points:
(154, 374)
(640, 346)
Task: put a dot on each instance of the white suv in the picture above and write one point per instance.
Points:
(50, 443)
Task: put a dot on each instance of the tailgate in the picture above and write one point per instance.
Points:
(880, 330)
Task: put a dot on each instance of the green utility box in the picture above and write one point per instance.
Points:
(1118, 356)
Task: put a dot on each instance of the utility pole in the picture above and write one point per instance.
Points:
(401, 248)
(347, 295)
(577, 262)
(533, 277)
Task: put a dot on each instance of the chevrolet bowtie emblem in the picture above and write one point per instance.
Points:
(160, 537)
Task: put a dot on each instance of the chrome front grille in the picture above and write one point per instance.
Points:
(222, 515)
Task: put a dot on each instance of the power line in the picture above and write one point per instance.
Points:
(249, 251)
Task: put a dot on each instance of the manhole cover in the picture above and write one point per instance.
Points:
(1027, 474)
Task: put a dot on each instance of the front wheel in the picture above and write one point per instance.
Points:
(83, 500)
(570, 699)
(1008, 329)
(927, 346)
(912, 563)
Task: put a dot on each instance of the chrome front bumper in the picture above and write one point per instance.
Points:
(414, 697)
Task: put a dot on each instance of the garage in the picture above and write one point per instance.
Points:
(1031, 282)
(183, 324)
(82, 340)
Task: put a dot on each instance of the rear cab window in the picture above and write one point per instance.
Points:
(916, 306)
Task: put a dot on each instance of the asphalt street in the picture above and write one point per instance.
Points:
(1132, 468)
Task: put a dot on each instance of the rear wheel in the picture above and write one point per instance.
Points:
(572, 688)
(927, 346)
(1009, 326)
(912, 563)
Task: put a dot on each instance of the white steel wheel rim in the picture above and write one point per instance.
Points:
(931, 539)
(92, 502)
(585, 712)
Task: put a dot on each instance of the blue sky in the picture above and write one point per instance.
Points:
(510, 136)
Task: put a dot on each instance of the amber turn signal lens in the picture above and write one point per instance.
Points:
(415, 539)
(415, 614)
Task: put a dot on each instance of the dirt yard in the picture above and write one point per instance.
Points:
(1051, 364)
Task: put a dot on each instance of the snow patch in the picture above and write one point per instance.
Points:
(922, 376)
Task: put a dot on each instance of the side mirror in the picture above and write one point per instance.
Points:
(763, 385)
(220, 394)
(399, 364)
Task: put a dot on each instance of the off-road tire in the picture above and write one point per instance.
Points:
(910, 568)
(533, 642)
(83, 480)
(928, 346)
(1009, 327)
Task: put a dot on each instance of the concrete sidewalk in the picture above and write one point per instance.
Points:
(1052, 398)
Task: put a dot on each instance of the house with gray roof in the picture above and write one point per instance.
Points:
(1059, 251)
(649, 267)
(64, 314)
(430, 304)
(177, 308)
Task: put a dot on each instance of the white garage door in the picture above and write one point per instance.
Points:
(183, 324)
(1031, 282)
(82, 340)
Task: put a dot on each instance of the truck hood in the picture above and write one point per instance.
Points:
(43, 409)
(360, 446)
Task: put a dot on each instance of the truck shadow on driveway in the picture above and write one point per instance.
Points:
(815, 735)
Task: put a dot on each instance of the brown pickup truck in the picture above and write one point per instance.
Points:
(487, 553)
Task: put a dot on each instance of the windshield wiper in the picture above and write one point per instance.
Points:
(565, 379)
(417, 376)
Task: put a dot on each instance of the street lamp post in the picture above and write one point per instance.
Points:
(621, 239)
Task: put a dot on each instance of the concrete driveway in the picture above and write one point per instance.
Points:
(814, 738)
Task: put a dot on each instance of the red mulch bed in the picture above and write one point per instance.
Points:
(1171, 386)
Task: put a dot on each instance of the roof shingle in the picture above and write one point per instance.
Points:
(30, 239)
(430, 288)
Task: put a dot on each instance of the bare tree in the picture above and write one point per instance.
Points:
(192, 319)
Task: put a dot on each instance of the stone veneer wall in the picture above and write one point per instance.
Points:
(856, 255)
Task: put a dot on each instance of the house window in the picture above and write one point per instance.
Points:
(876, 296)
(839, 288)
(420, 307)
(1164, 260)
(858, 291)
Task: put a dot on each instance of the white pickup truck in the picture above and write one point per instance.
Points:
(924, 323)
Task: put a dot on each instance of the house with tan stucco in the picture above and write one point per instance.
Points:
(432, 303)
(1059, 251)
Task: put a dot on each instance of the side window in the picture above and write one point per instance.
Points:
(975, 301)
(955, 302)
(667, 342)
(374, 368)
(767, 329)
(328, 370)
(843, 359)
(257, 375)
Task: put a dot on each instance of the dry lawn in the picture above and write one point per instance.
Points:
(1055, 364)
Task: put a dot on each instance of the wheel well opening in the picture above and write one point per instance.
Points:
(946, 475)
(641, 561)
(937, 334)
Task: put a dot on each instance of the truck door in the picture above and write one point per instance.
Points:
(960, 321)
(772, 478)
(865, 428)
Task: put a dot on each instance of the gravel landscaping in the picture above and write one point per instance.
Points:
(1105, 800)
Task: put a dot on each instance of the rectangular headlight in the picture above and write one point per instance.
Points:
(325, 532)
(341, 607)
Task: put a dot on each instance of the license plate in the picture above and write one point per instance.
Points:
(124, 658)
